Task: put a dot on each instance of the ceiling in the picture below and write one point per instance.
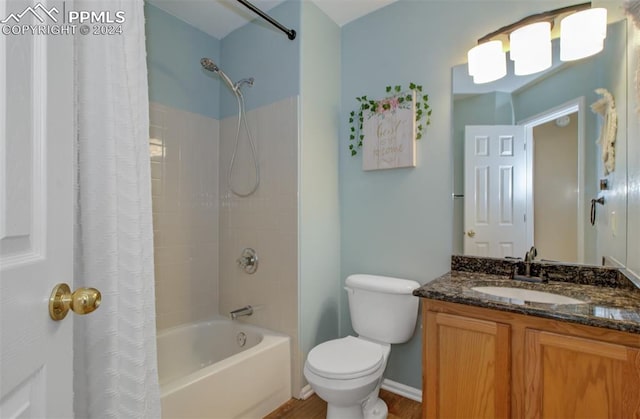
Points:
(220, 17)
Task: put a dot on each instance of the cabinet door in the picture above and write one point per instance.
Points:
(570, 377)
(467, 367)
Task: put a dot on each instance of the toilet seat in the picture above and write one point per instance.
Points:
(346, 358)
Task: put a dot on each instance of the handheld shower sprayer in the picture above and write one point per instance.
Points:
(209, 65)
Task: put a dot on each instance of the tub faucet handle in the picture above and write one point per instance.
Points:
(248, 260)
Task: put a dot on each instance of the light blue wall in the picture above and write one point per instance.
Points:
(398, 222)
(257, 50)
(319, 227)
(261, 51)
(176, 78)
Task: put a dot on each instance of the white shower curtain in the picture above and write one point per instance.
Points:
(115, 366)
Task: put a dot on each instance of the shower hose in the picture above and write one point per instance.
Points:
(242, 120)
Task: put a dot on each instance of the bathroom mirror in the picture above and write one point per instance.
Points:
(542, 197)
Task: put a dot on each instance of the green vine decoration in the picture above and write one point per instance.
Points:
(356, 117)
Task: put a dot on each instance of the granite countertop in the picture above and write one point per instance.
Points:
(612, 307)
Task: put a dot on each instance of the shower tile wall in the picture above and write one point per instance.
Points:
(266, 221)
(184, 173)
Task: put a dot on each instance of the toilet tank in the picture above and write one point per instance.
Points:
(382, 308)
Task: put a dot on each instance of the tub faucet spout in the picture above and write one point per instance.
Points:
(244, 311)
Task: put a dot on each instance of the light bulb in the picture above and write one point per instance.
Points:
(531, 48)
(582, 34)
(487, 62)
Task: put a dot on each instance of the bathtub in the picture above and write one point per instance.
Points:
(222, 369)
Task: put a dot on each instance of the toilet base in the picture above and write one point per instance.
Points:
(344, 412)
(377, 410)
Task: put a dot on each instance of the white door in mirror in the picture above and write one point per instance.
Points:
(495, 191)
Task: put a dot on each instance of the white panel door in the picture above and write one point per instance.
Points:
(36, 214)
(495, 191)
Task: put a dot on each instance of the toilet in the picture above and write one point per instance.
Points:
(347, 372)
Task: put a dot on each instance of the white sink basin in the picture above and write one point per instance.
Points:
(527, 295)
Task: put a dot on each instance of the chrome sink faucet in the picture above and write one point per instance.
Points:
(243, 311)
(528, 258)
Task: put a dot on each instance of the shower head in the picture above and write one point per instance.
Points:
(208, 64)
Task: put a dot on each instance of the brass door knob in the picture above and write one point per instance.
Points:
(471, 233)
(81, 301)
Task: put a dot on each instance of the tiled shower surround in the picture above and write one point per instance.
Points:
(201, 228)
(266, 221)
(184, 176)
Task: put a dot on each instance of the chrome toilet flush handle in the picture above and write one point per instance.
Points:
(248, 260)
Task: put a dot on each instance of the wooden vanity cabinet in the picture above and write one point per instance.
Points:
(467, 367)
(576, 377)
(481, 363)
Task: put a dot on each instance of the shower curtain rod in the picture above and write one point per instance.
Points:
(290, 32)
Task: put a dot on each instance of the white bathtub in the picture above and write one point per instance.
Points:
(205, 373)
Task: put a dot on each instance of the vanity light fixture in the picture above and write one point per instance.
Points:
(582, 32)
(531, 48)
(487, 62)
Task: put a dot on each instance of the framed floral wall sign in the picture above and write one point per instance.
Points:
(386, 130)
(389, 134)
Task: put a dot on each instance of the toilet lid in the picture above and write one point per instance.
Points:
(345, 358)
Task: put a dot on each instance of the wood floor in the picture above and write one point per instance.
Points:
(316, 408)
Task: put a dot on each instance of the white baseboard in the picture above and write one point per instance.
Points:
(402, 390)
(306, 392)
(389, 385)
